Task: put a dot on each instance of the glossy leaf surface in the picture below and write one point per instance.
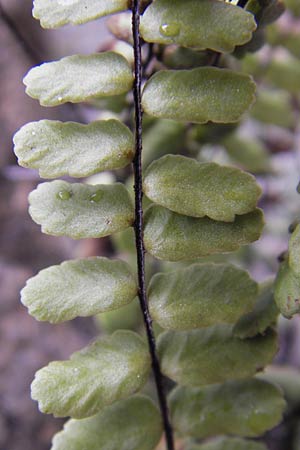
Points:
(79, 210)
(287, 291)
(226, 443)
(188, 187)
(106, 371)
(294, 251)
(55, 13)
(213, 355)
(122, 426)
(56, 148)
(198, 95)
(263, 315)
(201, 295)
(78, 78)
(206, 24)
(173, 237)
(79, 288)
(245, 408)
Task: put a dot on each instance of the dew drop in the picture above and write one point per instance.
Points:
(96, 197)
(33, 133)
(64, 195)
(60, 98)
(169, 29)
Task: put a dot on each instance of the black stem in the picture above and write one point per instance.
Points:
(138, 180)
(30, 51)
(242, 3)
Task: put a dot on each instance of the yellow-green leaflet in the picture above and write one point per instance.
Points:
(130, 424)
(79, 78)
(244, 408)
(287, 291)
(199, 95)
(108, 370)
(56, 148)
(79, 210)
(201, 24)
(213, 355)
(201, 295)
(263, 315)
(288, 378)
(174, 237)
(55, 13)
(79, 288)
(188, 187)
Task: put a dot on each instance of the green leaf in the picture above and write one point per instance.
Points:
(165, 136)
(198, 95)
(251, 154)
(287, 291)
(245, 408)
(128, 317)
(285, 74)
(124, 242)
(188, 187)
(288, 38)
(173, 237)
(79, 288)
(213, 355)
(294, 251)
(78, 78)
(207, 24)
(201, 295)
(225, 443)
(106, 371)
(288, 378)
(80, 211)
(122, 426)
(274, 108)
(56, 148)
(263, 315)
(175, 57)
(255, 44)
(55, 13)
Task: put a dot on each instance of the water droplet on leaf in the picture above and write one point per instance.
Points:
(96, 197)
(64, 195)
(169, 29)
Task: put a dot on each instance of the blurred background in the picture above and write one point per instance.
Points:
(266, 143)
